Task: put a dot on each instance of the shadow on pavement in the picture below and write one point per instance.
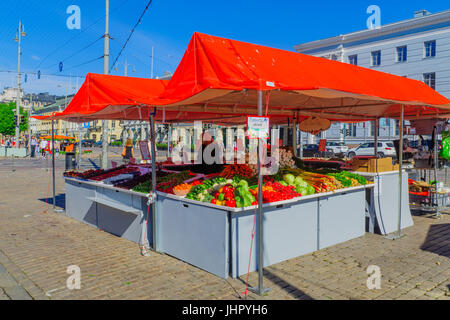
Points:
(438, 240)
(60, 200)
(284, 285)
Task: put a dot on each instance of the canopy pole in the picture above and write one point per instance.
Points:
(260, 290)
(79, 146)
(152, 142)
(400, 178)
(436, 163)
(52, 150)
(376, 124)
(294, 134)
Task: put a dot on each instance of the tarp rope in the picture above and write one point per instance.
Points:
(254, 218)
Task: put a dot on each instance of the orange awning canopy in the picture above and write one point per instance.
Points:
(223, 74)
(217, 81)
(58, 137)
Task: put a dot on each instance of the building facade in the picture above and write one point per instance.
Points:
(417, 48)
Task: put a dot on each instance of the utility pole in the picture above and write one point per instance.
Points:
(126, 67)
(20, 33)
(151, 72)
(106, 66)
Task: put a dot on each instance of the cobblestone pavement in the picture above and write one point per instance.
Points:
(36, 248)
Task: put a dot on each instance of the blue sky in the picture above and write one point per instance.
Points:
(168, 26)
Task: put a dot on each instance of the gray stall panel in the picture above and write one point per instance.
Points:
(195, 234)
(341, 218)
(78, 206)
(385, 202)
(289, 231)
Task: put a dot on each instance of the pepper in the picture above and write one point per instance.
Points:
(231, 203)
(214, 201)
(221, 197)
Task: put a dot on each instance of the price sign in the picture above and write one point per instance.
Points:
(145, 152)
(258, 127)
(323, 145)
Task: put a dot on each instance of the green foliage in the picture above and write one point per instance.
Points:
(7, 125)
(117, 143)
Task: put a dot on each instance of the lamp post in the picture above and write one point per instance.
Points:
(126, 67)
(20, 33)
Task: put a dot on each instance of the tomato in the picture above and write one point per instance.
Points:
(214, 201)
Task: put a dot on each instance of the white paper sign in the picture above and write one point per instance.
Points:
(258, 127)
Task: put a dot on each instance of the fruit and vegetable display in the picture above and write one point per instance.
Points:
(419, 188)
(286, 158)
(232, 170)
(234, 185)
(112, 173)
(165, 183)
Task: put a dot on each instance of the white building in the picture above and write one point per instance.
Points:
(418, 48)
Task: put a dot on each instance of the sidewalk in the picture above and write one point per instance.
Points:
(36, 248)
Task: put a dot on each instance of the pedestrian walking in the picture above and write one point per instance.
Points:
(43, 146)
(33, 144)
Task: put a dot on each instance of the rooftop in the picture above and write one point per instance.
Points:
(421, 18)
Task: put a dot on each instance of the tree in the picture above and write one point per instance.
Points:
(7, 125)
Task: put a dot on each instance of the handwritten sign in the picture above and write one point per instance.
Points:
(258, 127)
(145, 152)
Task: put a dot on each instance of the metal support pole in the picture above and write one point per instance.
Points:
(375, 144)
(400, 179)
(260, 290)
(436, 163)
(105, 71)
(80, 137)
(294, 135)
(52, 150)
(152, 140)
(301, 145)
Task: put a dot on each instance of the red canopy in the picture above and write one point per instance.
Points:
(222, 74)
(217, 81)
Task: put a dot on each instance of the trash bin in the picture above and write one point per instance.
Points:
(71, 162)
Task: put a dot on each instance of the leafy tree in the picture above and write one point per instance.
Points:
(7, 125)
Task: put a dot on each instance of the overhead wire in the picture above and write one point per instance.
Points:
(131, 33)
(78, 34)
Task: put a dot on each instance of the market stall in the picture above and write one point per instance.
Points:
(223, 81)
(196, 226)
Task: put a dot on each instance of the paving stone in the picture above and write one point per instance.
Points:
(17, 293)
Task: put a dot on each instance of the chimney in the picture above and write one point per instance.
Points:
(421, 13)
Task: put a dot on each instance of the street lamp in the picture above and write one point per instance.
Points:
(126, 67)
(19, 34)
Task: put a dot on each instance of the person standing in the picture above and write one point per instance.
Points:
(127, 152)
(43, 146)
(33, 144)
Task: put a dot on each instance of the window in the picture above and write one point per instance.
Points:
(430, 79)
(353, 59)
(376, 58)
(430, 49)
(402, 54)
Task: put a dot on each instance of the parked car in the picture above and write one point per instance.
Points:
(384, 149)
(312, 150)
(87, 143)
(339, 148)
(98, 144)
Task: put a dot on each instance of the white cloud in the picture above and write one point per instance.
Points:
(35, 58)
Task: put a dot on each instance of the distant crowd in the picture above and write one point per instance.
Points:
(39, 147)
